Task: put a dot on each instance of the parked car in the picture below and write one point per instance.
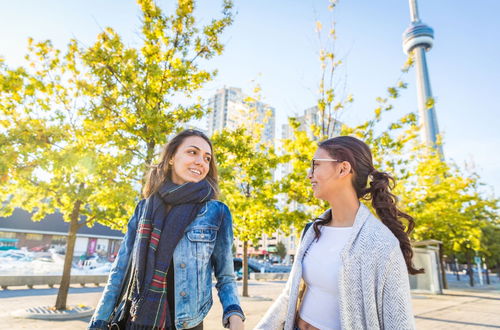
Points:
(238, 268)
(474, 270)
(16, 255)
(257, 266)
(40, 248)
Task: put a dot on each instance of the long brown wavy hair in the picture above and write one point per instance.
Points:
(162, 171)
(358, 154)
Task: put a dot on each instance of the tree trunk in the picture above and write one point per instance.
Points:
(443, 270)
(469, 269)
(487, 272)
(150, 152)
(245, 269)
(457, 268)
(62, 294)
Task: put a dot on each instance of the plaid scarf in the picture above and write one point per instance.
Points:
(167, 215)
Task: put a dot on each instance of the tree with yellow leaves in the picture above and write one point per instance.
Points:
(247, 164)
(79, 129)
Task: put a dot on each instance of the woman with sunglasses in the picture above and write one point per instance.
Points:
(177, 236)
(351, 270)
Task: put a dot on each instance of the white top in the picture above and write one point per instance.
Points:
(320, 270)
(374, 290)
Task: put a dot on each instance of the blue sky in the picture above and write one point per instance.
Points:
(274, 44)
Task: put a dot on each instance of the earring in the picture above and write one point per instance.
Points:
(171, 162)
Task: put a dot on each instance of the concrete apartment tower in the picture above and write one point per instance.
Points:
(227, 105)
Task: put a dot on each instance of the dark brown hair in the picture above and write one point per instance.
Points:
(162, 171)
(358, 154)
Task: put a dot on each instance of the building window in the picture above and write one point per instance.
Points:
(58, 240)
(7, 234)
(34, 237)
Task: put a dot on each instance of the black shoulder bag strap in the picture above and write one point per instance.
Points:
(120, 313)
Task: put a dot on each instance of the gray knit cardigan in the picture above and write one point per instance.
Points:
(374, 290)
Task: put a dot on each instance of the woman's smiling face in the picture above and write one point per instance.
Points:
(191, 161)
(323, 174)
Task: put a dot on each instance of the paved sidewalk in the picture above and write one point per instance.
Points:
(456, 309)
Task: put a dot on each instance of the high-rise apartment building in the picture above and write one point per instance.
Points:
(229, 105)
(312, 116)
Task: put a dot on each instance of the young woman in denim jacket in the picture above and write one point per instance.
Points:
(172, 268)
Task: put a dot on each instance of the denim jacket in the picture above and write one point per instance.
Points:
(206, 245)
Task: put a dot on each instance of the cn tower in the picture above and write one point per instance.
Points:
(419, 38)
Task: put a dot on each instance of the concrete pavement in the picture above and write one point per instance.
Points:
(456, 309)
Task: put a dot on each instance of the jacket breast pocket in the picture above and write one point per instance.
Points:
(202, 240)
